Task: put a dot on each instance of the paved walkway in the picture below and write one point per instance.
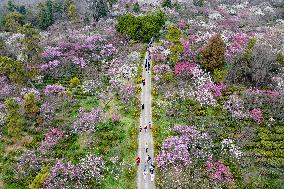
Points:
(144, 182)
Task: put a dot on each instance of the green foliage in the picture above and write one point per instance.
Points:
(13, 69)
(74, 82)
(18, 8)
(199, 3)
(249, 48)
(14, 119)
(30, 105)
(167, 3)
(39, 179)
(220, 74)
(45, 14)
(12, 21)
(213, 55)
(136, 7)
(173, 34)
(31, 48)
(101, 9)
(280, 59)
(72, 13)
(141, 27)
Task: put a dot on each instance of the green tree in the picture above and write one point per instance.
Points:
(13, 69)
(173, 34)
(141, 27)
(167, 3)
(12, 21)
(45, 15)
(72, 13)
(136, 7)
(31, 48)
(213, 55)
(30, 105)
(14, 119)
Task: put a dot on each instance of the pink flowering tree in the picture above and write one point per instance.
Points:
(256, 115)
(87, 121)
(52, 137)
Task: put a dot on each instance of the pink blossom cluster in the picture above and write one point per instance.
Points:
(256, 115)
(127, 93)
(77, 49)
(79, 61)
(108, 50)
(52, 137)
(237, 44)
(87, 121)
(189, 53)
(67, 175)
(50, 65)
(216, 89)
(53, 89)
(159, 70)
(270, 93)
(52, 52)
(235, 105)
(115, 117)
(218, 171)
(184, 68)
(182, 24)
(63, 175)
(157, 54)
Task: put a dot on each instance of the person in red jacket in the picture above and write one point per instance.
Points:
(138, 160)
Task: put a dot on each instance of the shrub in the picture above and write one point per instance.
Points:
(136, 7)
(12, 21)
(255, 67)
(174, 34)
(30, 105)
(167, 3)
(213, 55)
(45, 15)
(40, 178)
(72, 13)
(14, 119)
(141, 27)
(74, 82)
(13, 69)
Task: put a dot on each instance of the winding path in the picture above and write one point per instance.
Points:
(146, 116)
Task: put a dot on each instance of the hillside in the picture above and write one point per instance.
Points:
(195, 89)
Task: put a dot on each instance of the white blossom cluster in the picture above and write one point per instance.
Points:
(25, 91)
(92, 167)
(234, 150)
(91, 86)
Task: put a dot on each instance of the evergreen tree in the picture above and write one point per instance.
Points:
(72, 13)
(14, 119)
(213, 55)
(12, 21)
(31, 49)
(30, 105)
(167, 3)
(136, 7)
(45, 15)
(13, 69)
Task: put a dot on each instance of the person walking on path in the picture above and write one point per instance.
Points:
(152, 167)
(143, 82)
(145, 128)
(150, 125)
(146, 147)
(140, 128)
(138, 160)
(142, 106)
(148, 159)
